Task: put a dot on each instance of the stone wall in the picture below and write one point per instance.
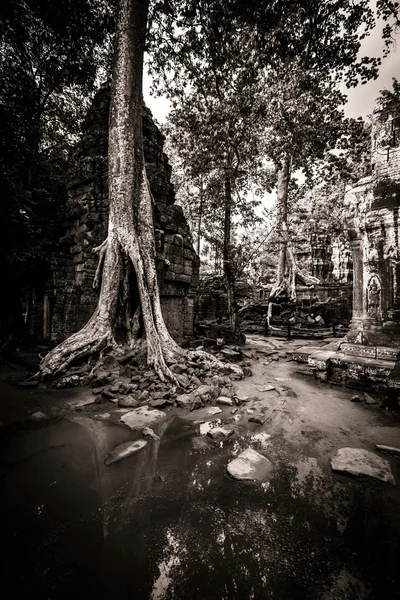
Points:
(70, 294)
(373, 222)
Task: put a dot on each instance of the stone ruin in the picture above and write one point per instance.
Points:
(370, 353)
(70, 298)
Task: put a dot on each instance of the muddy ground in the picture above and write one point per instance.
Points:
(170, 523)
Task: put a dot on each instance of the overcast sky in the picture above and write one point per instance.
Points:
(361, 99)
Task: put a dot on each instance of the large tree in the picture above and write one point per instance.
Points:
(130, 239)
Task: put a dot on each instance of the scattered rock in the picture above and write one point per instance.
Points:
(213, 410)
(268, 388)
(102, 416)
(229, 354)
(242, 399)
(125, 450)
(369, 399)
(234, 411)
(225, 401)
(28, 384)
(148, 432)
(217, 433)
(282, 354)
(250, 465)
(69, 381)
(184, 400)
(38, 416)
(159, 402)
(80, 403)
(357, 461)
(128, 402)
(204, 428)
(142, 417)
(143, 396)
(258, 418)
(389, 449)
(225, 392)
(355, 399)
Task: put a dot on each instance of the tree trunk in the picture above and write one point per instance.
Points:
(227, 254)
(130, 225)
(282, 227)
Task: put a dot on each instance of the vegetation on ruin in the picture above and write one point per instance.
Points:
(256, 96)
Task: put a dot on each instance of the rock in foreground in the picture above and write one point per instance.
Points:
(250, 465)
(356, 461)
(142, 417)
(125, 450)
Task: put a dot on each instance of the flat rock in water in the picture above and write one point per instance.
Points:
(357, 461)
(225, 401)
(390, 449)
(142, 417)
(39, 416)
(250, 465)
(80, 403)
(125, 450)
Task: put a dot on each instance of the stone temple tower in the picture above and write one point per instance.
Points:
(372, 206)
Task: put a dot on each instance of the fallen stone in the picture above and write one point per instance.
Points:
(357, 461)
(80, 403)
(28, 384)
(143, 396)
(234, 411)
(229, 354)
(38, 416)
(389, 449)
(204, 428)
(128, 402)
(184, 400)
(250, 465)
(148, 432)
(158, 402)
(243, 399)
(102, 416)
(369, 399)
(125, 450)
(355, 399)
(268, 388)
(217, 433)
(213, 410)
(226, 392)
(225, 401)
(142, 417)
(69, 381)
(259, 418)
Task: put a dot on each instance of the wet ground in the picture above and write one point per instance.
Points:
(169, 523)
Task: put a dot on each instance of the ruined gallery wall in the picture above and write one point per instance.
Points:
(71, 298)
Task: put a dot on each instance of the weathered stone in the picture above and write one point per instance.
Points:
(38, 416)
(142, 417)
(268, 388)
(213, 410)
(217, 433)
(148, 432)
(369, 400)
(250, 465)
(389, 449)
(80, 403)
(258, 418)
(225, 401)
(128, 402)
(158, 402)
(143, 396)
(125, 450)
(357, 461)
(69, 381)
(184, 400)
(355, 398)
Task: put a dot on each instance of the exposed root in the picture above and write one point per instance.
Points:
(101, 251)
(92, 339)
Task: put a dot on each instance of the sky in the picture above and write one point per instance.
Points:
(361, 100)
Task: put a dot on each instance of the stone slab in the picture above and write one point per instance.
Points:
(302, 354)
(358, 350)
(125, 450)
(250, 466)
(320, 359)
(142, 417)
(357, 461)
(383, 353)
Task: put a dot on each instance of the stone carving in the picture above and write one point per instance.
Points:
(374, 297)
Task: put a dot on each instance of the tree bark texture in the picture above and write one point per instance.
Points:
(227, 254)
(130, 225)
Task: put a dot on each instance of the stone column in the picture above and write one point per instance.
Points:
(356, 324)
